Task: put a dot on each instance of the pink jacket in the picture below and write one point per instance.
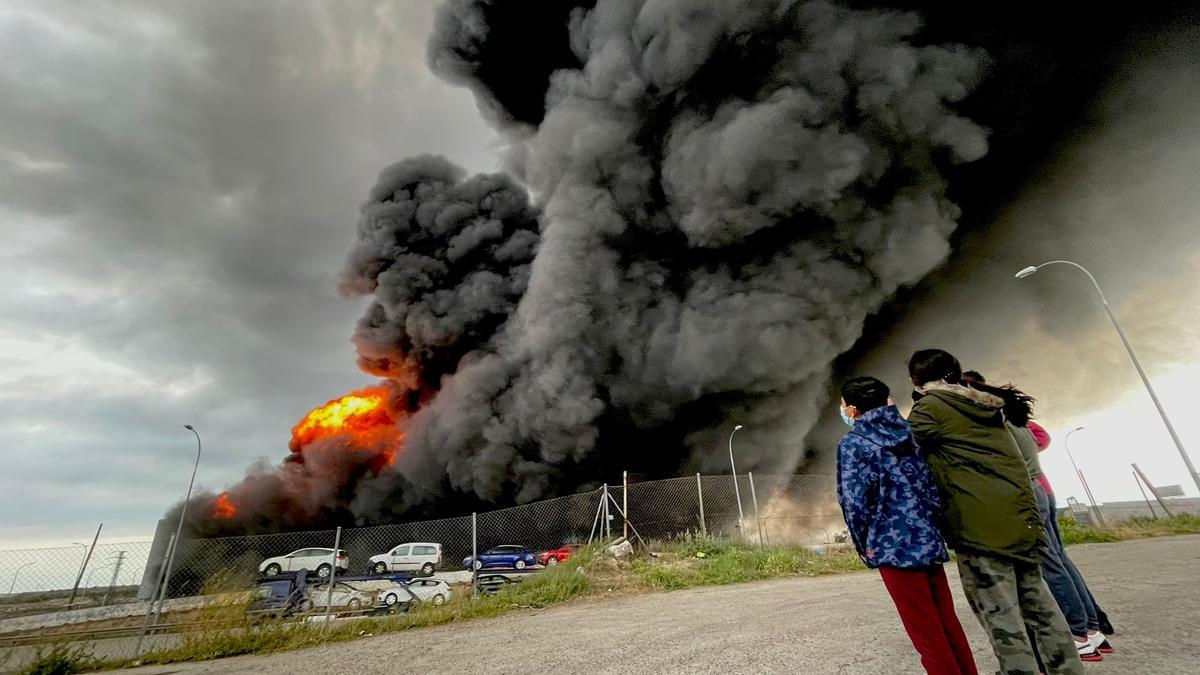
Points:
(1039, 435)
(1043, 441)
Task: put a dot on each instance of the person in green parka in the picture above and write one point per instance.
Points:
(989, 515)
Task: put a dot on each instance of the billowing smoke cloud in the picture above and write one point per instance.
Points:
(446, 260)
(726, 194)
(723, 194)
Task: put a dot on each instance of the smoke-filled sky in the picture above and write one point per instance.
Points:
(180, 183)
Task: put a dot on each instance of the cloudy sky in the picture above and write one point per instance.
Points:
(179, 185)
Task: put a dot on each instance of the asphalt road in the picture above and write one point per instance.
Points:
(838, 624)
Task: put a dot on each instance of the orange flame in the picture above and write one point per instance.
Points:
(223, 509)
(362, 416)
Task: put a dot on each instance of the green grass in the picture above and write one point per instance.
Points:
(710, 562)
(61, 660)
(1134, 528)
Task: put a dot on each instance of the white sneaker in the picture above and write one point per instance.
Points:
(1096, 639)
(1087, 652)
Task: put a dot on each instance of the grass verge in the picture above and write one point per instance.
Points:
(1134, 528)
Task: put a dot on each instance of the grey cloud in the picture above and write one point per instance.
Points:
(175, 181)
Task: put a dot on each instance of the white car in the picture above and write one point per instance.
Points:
(311, 559)
(344, 595)
(410, 557)
(433, 591)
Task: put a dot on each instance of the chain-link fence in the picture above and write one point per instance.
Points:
(40, 580)
(119, 582)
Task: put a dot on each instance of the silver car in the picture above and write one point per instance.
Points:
(433, 591)
(344, 595)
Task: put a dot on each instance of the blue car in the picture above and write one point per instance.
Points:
(516, 557)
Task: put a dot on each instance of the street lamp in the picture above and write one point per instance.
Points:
(1087, 490)
(14, 579)
(737, 492)
(1132, 357)
(179, 528)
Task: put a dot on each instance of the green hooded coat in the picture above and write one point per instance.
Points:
(988, 503)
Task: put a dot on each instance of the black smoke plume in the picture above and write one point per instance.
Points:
(721, 194)
(726, 194)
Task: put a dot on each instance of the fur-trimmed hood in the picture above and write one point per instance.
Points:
(981, 398)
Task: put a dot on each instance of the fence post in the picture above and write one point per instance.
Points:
(700, 498)
(337, 541)
(605, 529)
(474, 557)
(754, 498)
(86, 558)
(625, 501)
(162, 572)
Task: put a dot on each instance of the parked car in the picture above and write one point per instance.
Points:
(518, 557)
(409, 557)
(494, 583)
(344, 595)
(434, 591)
(313, 559)
(558, 555)
(278, 596)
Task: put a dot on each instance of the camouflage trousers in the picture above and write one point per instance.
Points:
(1006, 597)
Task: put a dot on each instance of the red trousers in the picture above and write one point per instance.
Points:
(926, 608)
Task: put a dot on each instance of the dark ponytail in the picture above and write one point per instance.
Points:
(1018, 406)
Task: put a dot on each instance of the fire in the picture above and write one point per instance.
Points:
(362, 417)
(223, 509)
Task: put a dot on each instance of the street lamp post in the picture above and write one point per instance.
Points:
(736, 491)
(179, 528)
(1132, 357)
(14, 579)
(1087, 490)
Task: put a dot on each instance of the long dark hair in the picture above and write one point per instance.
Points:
(1018, 406)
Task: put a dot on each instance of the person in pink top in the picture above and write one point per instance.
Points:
(1042, 438)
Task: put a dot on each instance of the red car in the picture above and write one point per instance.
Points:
(552, 558)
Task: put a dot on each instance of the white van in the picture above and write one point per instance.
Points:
(410, 557)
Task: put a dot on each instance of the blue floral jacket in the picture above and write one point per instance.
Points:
(887, 493)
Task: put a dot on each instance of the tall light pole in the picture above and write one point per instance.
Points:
(1132, 357)
(736, 491)
(1087, 490)
(14, 580)
(179, 528)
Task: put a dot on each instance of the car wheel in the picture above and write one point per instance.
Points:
(551, 561)
(354, 603)
(520, 564)
(380, 568)
(272, 570)
(439, 599)
(390, 599)
(324, 570)
(478, 564)
(427, 569)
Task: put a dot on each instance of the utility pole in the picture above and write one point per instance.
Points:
(113, 582)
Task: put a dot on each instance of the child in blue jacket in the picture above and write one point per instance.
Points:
(891, 508)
